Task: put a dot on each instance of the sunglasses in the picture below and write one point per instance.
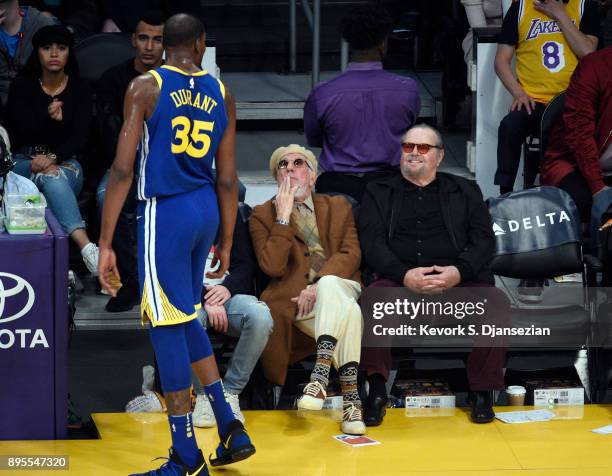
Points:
(422, 149)
(297, 163)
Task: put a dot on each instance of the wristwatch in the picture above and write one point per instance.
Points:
(282, 221)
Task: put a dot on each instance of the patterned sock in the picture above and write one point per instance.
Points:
(325, 353)
(183, 438)
(348, 384)
(221, 409)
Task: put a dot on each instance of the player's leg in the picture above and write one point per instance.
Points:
(204, 365)
(169, 342)
(235, 443)
(172, 355)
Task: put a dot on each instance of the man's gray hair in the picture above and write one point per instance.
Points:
(427, 127)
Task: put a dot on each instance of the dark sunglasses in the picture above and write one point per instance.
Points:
(408, 147)
(297, 163)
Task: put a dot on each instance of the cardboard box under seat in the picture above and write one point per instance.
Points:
(550, 391)
(425, 397)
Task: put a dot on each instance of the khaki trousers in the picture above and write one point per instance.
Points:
(337, 314)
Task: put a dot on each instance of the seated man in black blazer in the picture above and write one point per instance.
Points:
(428, 231)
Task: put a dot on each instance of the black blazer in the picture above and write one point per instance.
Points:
(465, 216)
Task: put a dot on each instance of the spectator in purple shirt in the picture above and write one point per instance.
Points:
(358, 118)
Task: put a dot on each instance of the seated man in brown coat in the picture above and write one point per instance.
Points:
(307, 243)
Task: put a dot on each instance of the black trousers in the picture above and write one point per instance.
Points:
(511, 135)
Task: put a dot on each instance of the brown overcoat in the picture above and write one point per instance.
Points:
(283, 255)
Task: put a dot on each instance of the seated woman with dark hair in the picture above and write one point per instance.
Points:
(49, 112)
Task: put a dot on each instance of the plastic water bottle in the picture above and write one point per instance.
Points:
(581, 365)
(148, 378)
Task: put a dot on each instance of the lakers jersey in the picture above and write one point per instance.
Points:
(181, 137)
(544, 60)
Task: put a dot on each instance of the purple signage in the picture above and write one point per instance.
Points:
(33, 335)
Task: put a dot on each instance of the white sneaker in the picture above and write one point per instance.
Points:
(352, 420)
(146, 403)
(313, 397)
(203, 415)
(90, 254)
(234, 402)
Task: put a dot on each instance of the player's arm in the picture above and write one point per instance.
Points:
(122, 171)
(227, 187)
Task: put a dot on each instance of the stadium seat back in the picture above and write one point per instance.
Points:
(100, 52)
(552, 114)
(537, 234)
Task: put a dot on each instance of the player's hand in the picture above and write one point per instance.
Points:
(284, 199)
(221, 258)
(107, 267)
(40, 162)
(550, 8)
(55, 110)
(306, 300)
(420, 281)
(521, 100)
(217, 317)
(217, 295)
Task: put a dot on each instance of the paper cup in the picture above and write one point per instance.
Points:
(516, 395)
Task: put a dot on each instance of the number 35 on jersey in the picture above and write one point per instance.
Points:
(191, 137)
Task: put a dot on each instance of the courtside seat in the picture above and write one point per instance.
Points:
(97, 53)
(538, 236)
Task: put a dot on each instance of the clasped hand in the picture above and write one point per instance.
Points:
(432, 280)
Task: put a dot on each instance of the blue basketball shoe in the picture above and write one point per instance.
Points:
(235, 445)
(175, 467)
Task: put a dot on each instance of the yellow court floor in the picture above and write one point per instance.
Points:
(295, 443)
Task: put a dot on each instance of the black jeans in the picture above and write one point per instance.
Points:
(512, 132)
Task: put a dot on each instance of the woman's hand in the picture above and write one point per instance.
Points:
(40, 162)
(55, 110)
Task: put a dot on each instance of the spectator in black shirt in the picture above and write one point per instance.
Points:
(427, 231)
(49, 114)
(147, 42)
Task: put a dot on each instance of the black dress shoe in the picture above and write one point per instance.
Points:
(375, 409)
(127, 297)
(481, 404)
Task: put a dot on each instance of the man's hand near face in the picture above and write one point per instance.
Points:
(284, 199)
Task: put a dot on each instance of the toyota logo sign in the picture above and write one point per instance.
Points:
(11, 286)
